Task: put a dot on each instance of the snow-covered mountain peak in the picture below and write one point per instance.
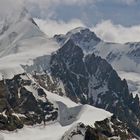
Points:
(12, 18)
(81, 36)
(13, 34)
(76, 30)
(21, 41)
(82, 31)
(121, 56)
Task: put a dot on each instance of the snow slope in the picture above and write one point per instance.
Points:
(22, 42)
(70, 114)
(32, 49)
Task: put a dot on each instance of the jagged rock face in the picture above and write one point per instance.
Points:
(20, 106)
(90, 79)
(69, 67)
(80, 37)
(50, 83)
(108, 129)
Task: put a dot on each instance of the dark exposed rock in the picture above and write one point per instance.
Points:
(90, 79)
(49, 83)
(66, 66)
(19, 106)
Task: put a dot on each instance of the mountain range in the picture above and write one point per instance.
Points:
(68, 87)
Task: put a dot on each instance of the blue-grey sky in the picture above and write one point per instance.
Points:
(90, 12)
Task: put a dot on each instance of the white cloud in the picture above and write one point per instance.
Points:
(106, 30)
(117, 33)
(52, 27)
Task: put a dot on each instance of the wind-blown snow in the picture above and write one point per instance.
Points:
(123, 57)
(11, 64)
(20, 45)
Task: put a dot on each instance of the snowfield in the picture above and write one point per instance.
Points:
(70, 114)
